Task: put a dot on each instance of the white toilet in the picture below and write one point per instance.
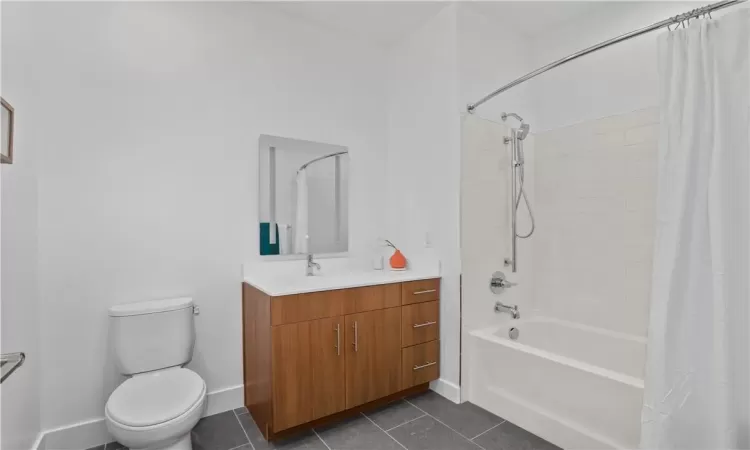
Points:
(161, 401)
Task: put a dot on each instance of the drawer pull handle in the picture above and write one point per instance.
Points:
(428, 291)
(426, 324)
(425, 365)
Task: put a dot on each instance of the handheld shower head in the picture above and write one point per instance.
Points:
(505, 116)
(523, 131)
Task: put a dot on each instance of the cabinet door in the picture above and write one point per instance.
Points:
(373, 356)
(308, 371)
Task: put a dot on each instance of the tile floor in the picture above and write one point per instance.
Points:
(422, 422)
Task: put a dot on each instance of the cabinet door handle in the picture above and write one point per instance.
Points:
(428, 291)
(426, 324)
(356, 337)
(425, 365)
(338, 336)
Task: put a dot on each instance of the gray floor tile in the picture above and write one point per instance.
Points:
(466, 418)
(307, 440)
(355, 434)
(426, 433)
(394, 414)
(114, 446)
(241, 410)
(510, 437)
(98, 447)
(218, 432)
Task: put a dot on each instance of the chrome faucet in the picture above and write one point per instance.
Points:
(510, 309)
(311, 265)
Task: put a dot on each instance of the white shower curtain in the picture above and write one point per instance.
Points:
(301, 218)
(698, 364)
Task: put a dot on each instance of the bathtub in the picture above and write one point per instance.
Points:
(576, 386)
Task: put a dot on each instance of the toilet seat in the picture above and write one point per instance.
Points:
(154, 398)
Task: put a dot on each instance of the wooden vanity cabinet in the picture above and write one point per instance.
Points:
(313, 357)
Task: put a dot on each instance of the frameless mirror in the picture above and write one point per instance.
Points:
(303, 197)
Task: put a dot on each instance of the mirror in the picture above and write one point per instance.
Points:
(303, 197)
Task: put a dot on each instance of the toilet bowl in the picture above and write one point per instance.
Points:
(161, 401)
(157, 410)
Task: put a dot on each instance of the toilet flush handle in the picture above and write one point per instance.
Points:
(196, 310)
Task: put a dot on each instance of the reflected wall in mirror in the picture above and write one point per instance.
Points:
(304, 197)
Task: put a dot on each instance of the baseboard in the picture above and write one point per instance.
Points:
(447, 389)
(225, 399)
(90, 433)
(77, 436)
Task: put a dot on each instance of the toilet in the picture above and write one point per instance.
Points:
(161, 401)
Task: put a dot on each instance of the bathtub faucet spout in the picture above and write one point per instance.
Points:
(510, 309)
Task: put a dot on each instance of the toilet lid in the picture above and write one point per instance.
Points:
(154, 398)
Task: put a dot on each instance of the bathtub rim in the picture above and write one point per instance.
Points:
(491, 334)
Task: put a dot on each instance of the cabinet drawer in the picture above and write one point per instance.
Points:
(419, 323)
(420, 364)
(370, 298)
(420, 291)
(311, 306)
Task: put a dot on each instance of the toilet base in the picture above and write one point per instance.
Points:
(184, 443)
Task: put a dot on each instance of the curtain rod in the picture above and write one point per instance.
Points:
(304, 166)
(664, 23)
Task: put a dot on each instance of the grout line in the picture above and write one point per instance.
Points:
(244, 431)
(387, 433)
(487, 431)
(408, 421)
(460, 434)
(321, 439)
(235, 448)
(478, 445)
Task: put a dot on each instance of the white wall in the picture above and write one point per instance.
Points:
(19, 310)
(423, 163)
(619, 79)
(146, 118)
(490, 55)
(595, 206)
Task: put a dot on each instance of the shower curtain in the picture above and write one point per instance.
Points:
(301, 217)
(698, 365)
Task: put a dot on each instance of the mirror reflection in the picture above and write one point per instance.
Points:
(303, 197)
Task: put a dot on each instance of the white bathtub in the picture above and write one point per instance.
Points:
(574, 385)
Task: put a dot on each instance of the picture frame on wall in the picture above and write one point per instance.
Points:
(7, 119)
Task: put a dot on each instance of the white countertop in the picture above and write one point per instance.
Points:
(278, 278)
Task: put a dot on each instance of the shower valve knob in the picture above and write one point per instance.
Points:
(499, 282)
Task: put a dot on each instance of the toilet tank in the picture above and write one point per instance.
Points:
(152, 335)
